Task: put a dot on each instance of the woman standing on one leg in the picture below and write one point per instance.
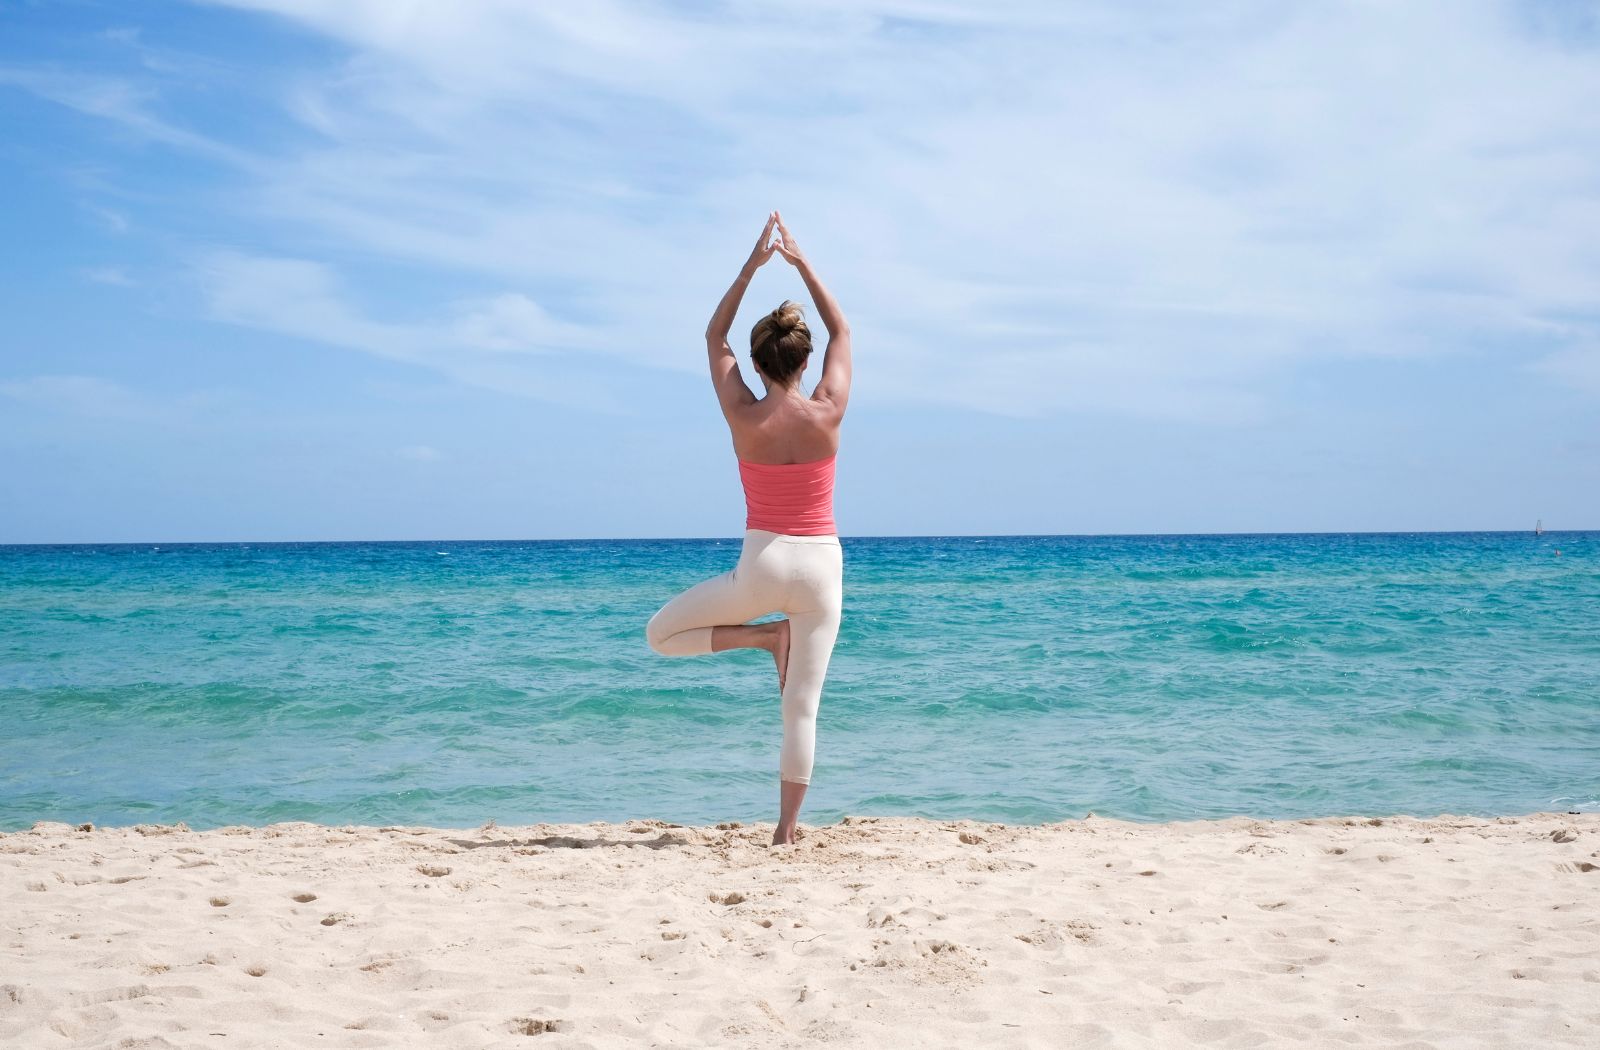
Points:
(791, 561)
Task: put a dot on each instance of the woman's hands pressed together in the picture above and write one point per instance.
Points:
(785, 243)
(764, 246)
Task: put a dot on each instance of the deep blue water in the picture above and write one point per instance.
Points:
(1024, 679)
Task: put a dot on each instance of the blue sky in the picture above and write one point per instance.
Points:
(290, 270)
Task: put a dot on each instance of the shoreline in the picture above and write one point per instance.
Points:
(848, 820)
(1380, 931)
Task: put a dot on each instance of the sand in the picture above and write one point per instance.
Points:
(881, 932)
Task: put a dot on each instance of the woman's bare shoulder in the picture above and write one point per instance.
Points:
(784, 434)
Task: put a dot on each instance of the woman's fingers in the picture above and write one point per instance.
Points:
(766, 231)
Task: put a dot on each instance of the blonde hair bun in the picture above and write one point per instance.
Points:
(788, 317)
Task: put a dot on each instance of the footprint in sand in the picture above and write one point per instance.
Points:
(1050, 934)
(433, 871)
(256, 971)
(336, 918)
(1188, 987)
(728, 898)
(303, 898)
(1297, 967)
(535, 1025)
(220, 902)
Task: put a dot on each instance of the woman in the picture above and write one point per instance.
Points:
(791, 561)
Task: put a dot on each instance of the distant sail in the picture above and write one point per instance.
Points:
(1538, 527)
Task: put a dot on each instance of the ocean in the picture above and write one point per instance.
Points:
(1024, 679)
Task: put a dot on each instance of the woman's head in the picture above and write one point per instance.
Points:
(780, 343)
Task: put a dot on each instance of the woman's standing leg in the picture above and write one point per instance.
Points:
(813, 629)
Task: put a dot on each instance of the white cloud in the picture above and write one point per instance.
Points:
(109, 220)
(112, 275)
(1154, 207)
(96, 398)
(1577, 366)
(300, 298)
(118, 100)
(304, 298)
(87, 396)
(513, 323)
(420, 453)
(478, 341)
(1142, 209)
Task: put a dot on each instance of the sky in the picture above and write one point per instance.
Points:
(382, 269)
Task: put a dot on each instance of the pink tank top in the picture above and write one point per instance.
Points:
(795, 499)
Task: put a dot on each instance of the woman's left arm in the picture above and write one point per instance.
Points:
(730, 385)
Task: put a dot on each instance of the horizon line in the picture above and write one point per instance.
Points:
(862, 536)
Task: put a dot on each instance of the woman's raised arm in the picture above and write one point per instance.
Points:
(731, 389)
(834, 386)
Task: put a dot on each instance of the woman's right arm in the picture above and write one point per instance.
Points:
(834, 386)
(732, 393)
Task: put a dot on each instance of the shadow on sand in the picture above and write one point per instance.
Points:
(661, 841)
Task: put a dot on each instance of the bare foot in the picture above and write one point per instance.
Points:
(780, 652)
(783, 836)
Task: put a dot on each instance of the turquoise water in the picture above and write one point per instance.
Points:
(1024, 679)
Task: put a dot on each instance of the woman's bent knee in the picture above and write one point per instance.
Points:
(695, 641)
(656, 633)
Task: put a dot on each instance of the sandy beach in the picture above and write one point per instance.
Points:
(1388, 931)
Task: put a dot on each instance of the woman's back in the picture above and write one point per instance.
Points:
(785, 427)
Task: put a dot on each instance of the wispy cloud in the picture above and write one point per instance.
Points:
(420, 453)
(121, 101)
(1145, 210)
(90, 397)
(304, 298)
(1577, 365)
(1150, 208)
(109, 220)
(112, 275)
(480, 341)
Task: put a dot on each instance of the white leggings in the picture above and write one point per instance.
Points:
(801, 576)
